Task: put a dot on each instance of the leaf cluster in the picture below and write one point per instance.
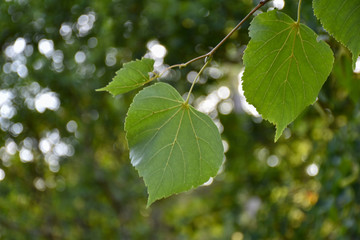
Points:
(285, 68)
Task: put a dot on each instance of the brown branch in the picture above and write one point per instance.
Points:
(209, 54)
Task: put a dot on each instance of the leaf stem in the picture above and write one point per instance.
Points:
(211, 53)
(196, 79)
(298, 14)
(208, 56)
(261, 3)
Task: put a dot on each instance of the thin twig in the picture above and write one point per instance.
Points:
(261, 3)
(196, 78)
(211, 53)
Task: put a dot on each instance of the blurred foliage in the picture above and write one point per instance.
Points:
(64, 160)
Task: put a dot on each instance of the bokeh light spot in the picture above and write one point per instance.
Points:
(2, 174)
(71, 126)
(279, 4)
(226, 107)
(312, 170)
(80, 57)
(19, 45)
(26, 155)
(158, 51)
(357, 66)
(46, 47)
(223, 92)
(47, 100)
(272, 161)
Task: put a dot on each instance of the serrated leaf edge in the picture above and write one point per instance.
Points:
(186, 107)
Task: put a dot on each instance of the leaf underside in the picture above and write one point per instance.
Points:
(342, 20)
(285, 68)
(132, 75)
(173, 146)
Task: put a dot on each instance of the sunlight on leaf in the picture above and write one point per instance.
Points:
(342, 20)
(132, 75)
(285, 68)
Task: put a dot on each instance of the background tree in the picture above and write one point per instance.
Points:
(65, 171)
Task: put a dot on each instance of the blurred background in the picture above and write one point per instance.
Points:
(65, 172)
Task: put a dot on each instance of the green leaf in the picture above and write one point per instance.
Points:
(285, 68)
(132, 75)
(342, 20)
(173, 146)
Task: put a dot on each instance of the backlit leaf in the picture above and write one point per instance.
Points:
(285, 68)
(173, 146)
(132, 75)
(341, 18)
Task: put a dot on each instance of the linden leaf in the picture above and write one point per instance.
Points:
(132, 75)
(173, 146)
(285, 68)
(342, 20)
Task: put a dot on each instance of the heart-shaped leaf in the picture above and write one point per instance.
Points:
(132, 75)
(285, 68)
(173, 146)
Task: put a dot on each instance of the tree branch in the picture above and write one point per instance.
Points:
(211, 53)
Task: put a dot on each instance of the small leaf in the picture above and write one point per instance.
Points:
(285, 68)
(173, 146)
(341, 18)
(132, 75)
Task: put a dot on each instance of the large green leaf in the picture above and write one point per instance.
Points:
(341, 18)
(285, 68)
(132, 75)
(173, 146)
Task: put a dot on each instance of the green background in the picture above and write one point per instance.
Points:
(79, 183)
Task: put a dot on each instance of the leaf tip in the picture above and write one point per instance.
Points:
(279, 131)
(355, 59)
(151, 200)
(106, 89)
(103, 89)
